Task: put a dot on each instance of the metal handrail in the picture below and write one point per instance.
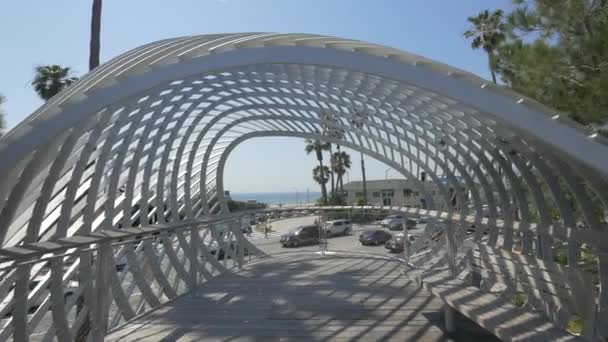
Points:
(46, 250)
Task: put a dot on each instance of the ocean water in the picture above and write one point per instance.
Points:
(275, 198)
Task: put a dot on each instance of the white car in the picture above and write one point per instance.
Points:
(338, 227)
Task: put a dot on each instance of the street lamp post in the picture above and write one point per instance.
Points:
(386, 173)
(307, 201)
(297, 202)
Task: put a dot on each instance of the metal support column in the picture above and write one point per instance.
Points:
(451, 248)
(602, 310)
(103, 288)
(322, 232)
(193, 259)
(406, 240)
(450, 323)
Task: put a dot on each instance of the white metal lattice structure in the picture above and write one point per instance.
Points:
(145, 137)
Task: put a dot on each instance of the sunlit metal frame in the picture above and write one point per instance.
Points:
(152, 130)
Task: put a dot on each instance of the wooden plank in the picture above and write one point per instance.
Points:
(337, 299)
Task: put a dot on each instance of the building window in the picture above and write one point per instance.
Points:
(386, 201)
(407, 192)
(376, 194)
(388, 193)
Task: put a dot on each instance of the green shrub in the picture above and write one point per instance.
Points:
(235, 206)
(575, 324)
(560, 256)
(519, 299)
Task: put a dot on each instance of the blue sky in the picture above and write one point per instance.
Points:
(35, 32)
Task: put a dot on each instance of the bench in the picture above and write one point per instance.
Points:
(516, 297)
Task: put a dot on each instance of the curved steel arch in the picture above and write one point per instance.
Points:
(145, 137)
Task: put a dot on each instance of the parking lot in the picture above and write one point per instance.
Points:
(350, 242)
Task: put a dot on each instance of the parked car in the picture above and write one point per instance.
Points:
(411, 223)
(392, 221)
(246, 229)
(338, 227)
(121, 263)
(395, 244)
(395, 222)
(303, 235)
(374, 237)
(214, 249)
(260, 217)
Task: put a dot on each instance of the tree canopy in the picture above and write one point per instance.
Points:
(51, 79)
(557, 53)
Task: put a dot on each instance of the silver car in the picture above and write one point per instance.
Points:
(338, 227)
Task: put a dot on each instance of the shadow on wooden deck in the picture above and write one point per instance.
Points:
(302, 298)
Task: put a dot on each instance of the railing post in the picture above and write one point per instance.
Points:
(450, 323)
(240, 241)
(322, 232)
(406, 240)
(602, 310)
(103, 288)
(451, 248)
(193, 259)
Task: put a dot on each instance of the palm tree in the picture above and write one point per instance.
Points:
(320, 175)
(51, 79)
(318, 147)
(340, 162)
(94, 47)
(2, 123)
(95, 35)
(358, 120)
(328, 121)
(488, 32)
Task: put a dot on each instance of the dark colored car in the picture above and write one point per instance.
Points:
(304, 235)
(213, 249)
(374, 237)
(246, 228)
(395, 244)
(260, 218)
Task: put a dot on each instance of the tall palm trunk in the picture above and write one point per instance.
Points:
(364, 180)
(95, 42)
(323, 187)
(94, 47)
(341, 177)
(492, 64)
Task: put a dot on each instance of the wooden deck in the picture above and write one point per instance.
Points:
(298, 298)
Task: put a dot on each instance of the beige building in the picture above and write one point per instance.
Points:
(394, 192)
